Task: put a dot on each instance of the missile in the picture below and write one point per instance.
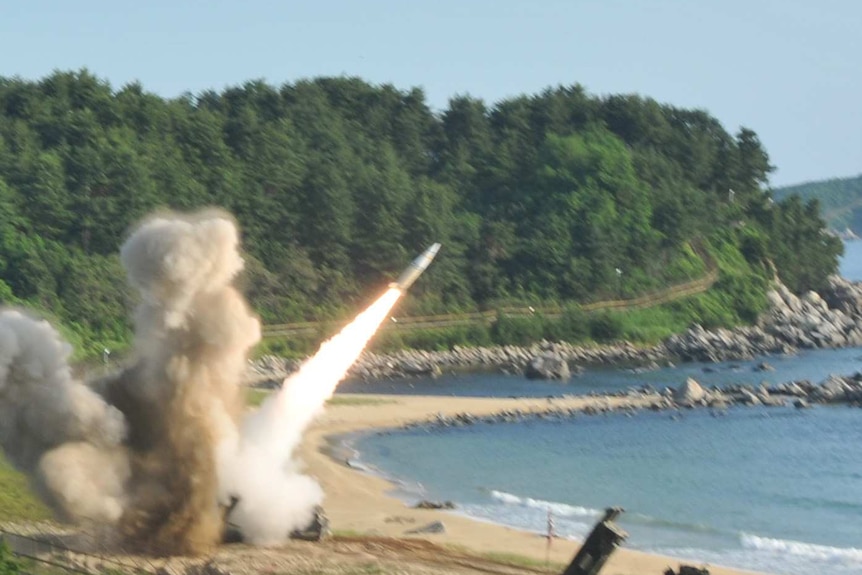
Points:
(415, 269)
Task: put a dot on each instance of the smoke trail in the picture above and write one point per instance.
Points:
(274, 497)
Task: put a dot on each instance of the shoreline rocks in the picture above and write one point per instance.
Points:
(690, 395)
(828, 320)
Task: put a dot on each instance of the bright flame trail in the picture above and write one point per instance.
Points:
(304, 393)
(274, 498)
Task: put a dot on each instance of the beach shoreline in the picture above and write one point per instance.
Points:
(359, 502)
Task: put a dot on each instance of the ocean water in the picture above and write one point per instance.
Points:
(772, 489)
(775, 489)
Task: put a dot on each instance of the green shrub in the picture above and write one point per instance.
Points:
(605, 326)
(572, 326)
(9, 564)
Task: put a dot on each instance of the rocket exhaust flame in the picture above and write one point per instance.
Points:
(268, 505)
(149, 452)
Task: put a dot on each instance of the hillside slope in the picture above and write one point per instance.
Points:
(840, 199)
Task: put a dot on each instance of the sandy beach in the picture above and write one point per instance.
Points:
(358, 502)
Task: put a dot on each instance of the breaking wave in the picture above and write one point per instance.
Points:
(559, 509)
(800, 549)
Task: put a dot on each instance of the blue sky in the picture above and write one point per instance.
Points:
(791, 70)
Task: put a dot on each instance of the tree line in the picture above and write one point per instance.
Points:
(840, 200)
(558, 197)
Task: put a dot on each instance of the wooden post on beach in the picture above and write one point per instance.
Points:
(598, 546)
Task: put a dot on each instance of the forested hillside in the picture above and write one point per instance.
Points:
(840, 199)
(337, 184)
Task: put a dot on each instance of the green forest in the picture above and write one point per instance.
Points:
(840, 200)
(337, 184)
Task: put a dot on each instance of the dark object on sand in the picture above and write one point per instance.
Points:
(687, 570)
(317, 530)
(231, 533)
(603, 540)
(433, 527)
(425, 504)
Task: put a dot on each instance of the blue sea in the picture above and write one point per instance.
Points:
(771, 489)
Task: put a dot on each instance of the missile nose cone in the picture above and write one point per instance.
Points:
(416, 267)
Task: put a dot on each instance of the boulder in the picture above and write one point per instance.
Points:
(689, 392)
(548, 366)
(833, 389)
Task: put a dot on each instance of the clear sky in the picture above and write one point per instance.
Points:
(791, 70)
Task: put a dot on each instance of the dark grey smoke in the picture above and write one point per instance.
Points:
(138, 450)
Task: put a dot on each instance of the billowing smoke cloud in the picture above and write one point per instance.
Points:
(182, 396)
(55, 428)
(158, 450)
(137, 450)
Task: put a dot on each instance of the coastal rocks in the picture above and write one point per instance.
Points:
(548, 366)
(689, 395)
(269, 371)
(689, 392)
(790, 323)
(810, 322)
(831, 319)
(844, 296)
(834, 389)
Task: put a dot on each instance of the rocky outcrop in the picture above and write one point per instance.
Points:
(844, 295)
(790, 323)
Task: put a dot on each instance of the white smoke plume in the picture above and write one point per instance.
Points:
(274, 497)
(157, 450)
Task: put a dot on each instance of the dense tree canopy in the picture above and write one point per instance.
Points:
(337, 183)
(840, 199)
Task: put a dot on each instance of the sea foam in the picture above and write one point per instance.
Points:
(843, 555)
(559, 509)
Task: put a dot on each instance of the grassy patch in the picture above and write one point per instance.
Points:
(357, 400)
(524, 561)
(17, 501)
(254, 397)
(348, 533)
